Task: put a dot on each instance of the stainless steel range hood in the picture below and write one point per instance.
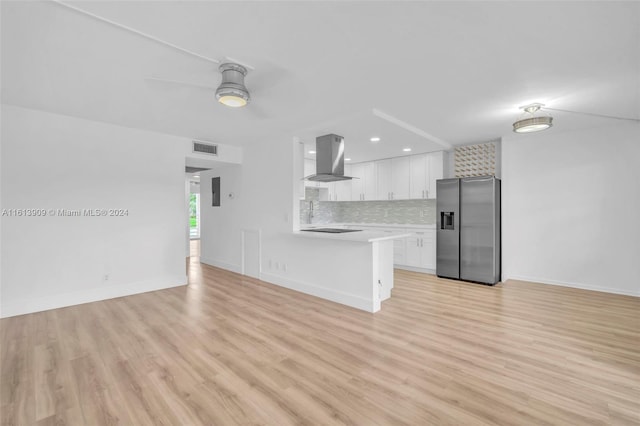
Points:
(329, 159)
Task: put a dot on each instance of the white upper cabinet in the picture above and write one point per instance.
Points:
(419, 182)
(357, 184)
(425, 170)
(400, 176)
(369, 181)
(363, 188)
(341, 190)
(383, 171)
(393, 177)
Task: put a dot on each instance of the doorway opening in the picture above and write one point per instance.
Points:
(194, 216)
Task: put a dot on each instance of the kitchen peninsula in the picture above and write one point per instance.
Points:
(353, 268)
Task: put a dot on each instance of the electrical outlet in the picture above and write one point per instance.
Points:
(106, 277)
(284, 267)
(277, 266)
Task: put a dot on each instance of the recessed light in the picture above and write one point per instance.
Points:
(375, 139)
(312, 152)
(406, 149)
(347, 159)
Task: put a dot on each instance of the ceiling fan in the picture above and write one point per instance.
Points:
(231, 90)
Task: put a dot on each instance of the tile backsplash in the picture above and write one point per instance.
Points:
(418, 212)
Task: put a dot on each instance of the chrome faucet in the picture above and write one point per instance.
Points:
(310, 212)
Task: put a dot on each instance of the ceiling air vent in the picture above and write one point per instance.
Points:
(205, 148)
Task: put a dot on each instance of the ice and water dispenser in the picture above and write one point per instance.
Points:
(447, 220)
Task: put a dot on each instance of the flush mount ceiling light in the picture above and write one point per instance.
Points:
(232, 91)
(375, 139)
(312, 152)
(530, 122)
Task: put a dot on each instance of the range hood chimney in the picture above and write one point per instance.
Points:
(329, 159)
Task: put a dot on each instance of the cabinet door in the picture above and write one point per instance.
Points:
(332, 191)
(412, 251)
(419, 176)
(343, 187)
(369, 181)
(383, 179)
(400, 174)
(428, 250)
(357, 184)
(343, 190)
(436, 171)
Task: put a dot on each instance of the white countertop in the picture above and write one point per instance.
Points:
(365, 236)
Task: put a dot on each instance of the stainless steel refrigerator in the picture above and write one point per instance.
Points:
(468, 229)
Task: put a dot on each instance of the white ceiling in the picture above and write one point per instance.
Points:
(456, 71)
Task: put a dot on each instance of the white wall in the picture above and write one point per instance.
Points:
(262, 200)
(53, 162)
(571, 208)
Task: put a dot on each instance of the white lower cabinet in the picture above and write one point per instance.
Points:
(420, 250)
(415, 251)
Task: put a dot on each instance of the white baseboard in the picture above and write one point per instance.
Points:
(572, 285)
(221, 264)
(322, 292)
(414, 269)
(38, 304)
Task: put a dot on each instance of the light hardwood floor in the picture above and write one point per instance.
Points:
(229, 350)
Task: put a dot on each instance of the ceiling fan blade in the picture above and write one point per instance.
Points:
(265, 80)
(179, 83)
(257, 112)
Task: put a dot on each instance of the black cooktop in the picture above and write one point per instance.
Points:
(331, 230)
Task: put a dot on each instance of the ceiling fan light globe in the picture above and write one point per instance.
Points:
(232, 101)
